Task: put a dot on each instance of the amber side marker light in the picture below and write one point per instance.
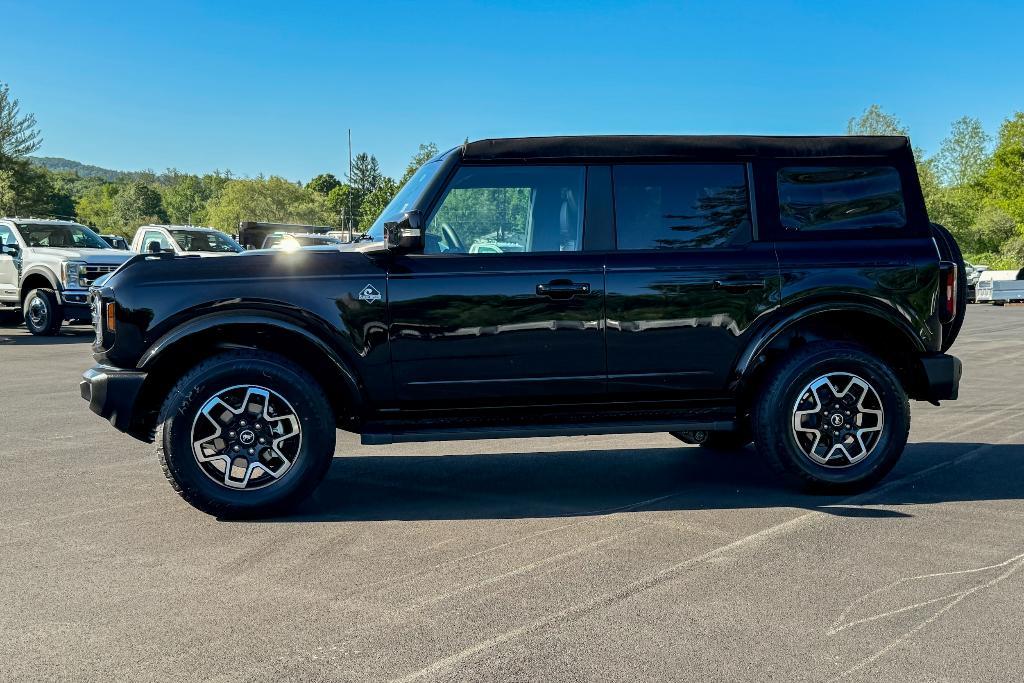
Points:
(110, 319)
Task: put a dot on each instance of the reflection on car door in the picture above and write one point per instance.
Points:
(502, 306)
(686, 281)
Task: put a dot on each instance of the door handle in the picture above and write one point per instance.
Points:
(739, 285)
(563, 289)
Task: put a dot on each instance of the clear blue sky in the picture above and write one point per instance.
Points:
(272, 87)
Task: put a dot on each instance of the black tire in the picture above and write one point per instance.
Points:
(211, 378)
(949, 250)
(715, 441)
(774, 410)
(43, 313)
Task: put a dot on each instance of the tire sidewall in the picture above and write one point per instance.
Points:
(895, 418)
(49, 299)
(309, 404)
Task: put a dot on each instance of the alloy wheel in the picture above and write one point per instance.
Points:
(838, 420)
(246, 437)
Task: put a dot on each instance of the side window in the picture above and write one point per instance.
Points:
(6, 236)
(681, 206)
(153, 236)
(814, 198)
(509, 209)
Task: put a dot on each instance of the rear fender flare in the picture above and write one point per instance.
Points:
(747, 360)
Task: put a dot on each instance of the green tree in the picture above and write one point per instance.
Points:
(425, 153)
(963, 155)
(339, 206)
(1004, 177)
(323, 184)
(18, 134)
(96, 207)
(365, 174)
(273, 200)
(375, 202)
(136, 205)
(185, 200)
(874, 121)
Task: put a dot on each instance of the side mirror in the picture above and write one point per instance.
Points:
(405, 234)
(10, 249)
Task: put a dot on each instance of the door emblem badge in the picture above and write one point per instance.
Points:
(369, 294)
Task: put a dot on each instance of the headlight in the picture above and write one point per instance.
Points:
(69, 274)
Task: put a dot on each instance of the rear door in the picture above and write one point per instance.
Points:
(687, 280)
(503, 306)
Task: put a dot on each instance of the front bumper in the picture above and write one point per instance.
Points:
(111, 393)
(941, 377)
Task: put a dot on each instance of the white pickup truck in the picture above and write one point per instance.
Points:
(1000, 287)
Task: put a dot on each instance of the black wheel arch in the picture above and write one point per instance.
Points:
(877, 330)
(200, 338)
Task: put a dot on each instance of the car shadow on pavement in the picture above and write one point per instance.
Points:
(75, 335)
(597, 482)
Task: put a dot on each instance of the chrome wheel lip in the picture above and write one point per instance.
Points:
(863, 438)
(221, 465)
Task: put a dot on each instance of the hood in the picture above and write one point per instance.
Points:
(87, 255)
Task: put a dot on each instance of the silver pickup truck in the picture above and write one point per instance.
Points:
(46, 268)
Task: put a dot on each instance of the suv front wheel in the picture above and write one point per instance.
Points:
(245, 434)
(832, 417)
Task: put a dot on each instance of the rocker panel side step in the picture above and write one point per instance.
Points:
(371, 437)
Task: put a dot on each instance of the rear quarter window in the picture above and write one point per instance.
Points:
(825, 198)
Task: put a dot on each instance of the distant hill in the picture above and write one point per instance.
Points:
(56, 164)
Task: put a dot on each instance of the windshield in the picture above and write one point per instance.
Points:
(201, 240)
(61, 236)
(405, 199)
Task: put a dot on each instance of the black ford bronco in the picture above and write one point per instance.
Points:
(786, 291)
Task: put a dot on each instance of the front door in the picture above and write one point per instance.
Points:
(687, 280)
(8, 268)
(503, 306)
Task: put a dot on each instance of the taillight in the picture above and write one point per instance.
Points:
(947, 275)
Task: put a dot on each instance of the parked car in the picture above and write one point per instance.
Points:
(786, 291)
(292, 241)
(116, 241)
(252, 234)
(46, 268)
(184, 240)
(1000, 287)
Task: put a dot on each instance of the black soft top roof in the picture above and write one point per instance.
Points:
(716, 147)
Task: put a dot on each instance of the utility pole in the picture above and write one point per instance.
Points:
(351, 227)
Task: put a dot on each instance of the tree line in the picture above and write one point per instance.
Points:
(973, 184)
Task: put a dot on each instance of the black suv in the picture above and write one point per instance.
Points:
(788, 291)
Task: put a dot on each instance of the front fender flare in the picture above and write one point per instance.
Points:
(208, 322)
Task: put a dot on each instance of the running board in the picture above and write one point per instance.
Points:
(372, 438)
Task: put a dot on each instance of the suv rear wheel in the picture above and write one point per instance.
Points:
(43, 313)
(832, 417)
(245, 434)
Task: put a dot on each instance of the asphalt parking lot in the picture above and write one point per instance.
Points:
(599, 558)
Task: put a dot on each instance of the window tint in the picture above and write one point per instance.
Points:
(509, 209)
(681, 206)
(6, 236)
(840, 198)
